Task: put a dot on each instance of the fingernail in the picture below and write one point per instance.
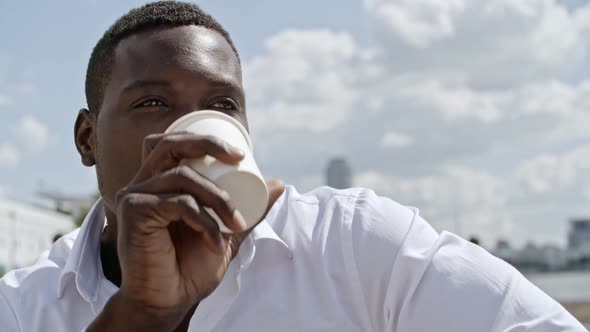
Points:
(225, 195)
(230, 148)
(240, 152)
(239, 219)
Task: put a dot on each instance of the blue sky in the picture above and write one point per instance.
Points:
(44, 58)
(471, 110)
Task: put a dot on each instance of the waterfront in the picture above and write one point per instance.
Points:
(572, 289)
(571, 286)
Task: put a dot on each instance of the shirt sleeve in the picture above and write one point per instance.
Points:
(8, 321)
(414, 279)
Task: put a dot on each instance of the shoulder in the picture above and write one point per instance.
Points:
(356, 214)
(353, 235)
(354, 227)
(38, 283)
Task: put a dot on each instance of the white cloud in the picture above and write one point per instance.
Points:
(547, 173)
(534, 199)
(539, 175)
(418, 23)
(393, 139)
(305, 80)
(493, 42)
(9, 155)
(32, 134)
(457, 198)
(297, 86)
(478, 83)
(455, 101)
(546, 111)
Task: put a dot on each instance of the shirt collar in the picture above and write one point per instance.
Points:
(84, 264)
(266, 229)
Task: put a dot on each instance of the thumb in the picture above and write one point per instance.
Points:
(275, 190)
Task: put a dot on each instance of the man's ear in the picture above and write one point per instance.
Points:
(84, 136)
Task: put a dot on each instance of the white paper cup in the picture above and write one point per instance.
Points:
(243, 181)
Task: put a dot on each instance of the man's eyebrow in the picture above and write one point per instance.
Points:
(229, 83)
(144, 83)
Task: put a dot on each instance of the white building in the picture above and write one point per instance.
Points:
(26, 231)
(554, 257)
(530, 255)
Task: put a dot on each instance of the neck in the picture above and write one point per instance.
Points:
(108, 250)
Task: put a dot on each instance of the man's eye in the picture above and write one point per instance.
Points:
(226, 104)
(151, 103)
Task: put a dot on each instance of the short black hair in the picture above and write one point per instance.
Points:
(161, 14)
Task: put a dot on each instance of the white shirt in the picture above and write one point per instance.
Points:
(323, 261)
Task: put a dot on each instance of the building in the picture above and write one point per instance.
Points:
(338, 174)
(579, 239)
(74, 205)
(532, 257)
(26, 231)
(504, 251)
(554, 257)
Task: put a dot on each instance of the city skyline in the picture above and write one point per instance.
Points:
(475, 112)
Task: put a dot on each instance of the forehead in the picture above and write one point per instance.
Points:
(160, 53)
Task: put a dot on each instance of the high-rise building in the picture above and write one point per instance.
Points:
(579, 237)
(338, 174)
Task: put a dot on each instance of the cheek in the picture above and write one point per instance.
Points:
(118, 156)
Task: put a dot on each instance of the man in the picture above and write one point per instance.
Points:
(323, 261)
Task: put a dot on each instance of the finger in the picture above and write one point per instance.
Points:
(275, 190)
(149, 214)
(169, 149)
(214, 241)
(195, 217)
(184, 179)
(150, 142)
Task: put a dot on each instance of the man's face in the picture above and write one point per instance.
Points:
(157, 77)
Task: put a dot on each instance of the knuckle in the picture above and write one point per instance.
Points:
(223, 201)
(187, 201)
(213, 142)
(127, 202)
(184, 173)
(131, 199)
(120, 195)
(191, 207)
(167, 142)
(151, 140)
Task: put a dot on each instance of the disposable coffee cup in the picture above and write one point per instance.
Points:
(243, 182)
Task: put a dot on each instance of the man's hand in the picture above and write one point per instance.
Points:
(171, 252)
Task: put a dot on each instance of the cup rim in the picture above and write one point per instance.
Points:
(208, 114)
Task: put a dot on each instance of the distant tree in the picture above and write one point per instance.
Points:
(61, 210)
(474, 239)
